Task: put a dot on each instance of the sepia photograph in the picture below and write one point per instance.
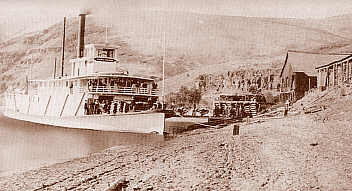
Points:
(140, 95)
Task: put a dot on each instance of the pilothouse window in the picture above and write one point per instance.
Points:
(106, 53)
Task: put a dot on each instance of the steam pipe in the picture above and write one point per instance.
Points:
(81, 31)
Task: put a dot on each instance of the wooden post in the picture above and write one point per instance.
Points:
(344, 71)
(236, 130)
(340, 73)
(118, 185)
(348, 71)
(333, 75)
(55, 68)
(326, 80)
(331, 80)
(318, 78)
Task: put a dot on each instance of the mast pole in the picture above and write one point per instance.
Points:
(106, 31)
(27, 75)
(63, 50)
(163, 92)
(30, 68)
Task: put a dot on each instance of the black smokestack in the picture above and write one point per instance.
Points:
(82, 24)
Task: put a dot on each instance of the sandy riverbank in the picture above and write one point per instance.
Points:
(295, 153)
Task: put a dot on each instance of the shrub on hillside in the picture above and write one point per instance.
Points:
(184, 97)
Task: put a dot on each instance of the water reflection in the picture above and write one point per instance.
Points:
(26, 145)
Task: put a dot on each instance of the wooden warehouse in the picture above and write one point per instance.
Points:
(299, 73)
(335, 73)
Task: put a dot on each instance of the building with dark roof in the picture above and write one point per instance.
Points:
(299, 73)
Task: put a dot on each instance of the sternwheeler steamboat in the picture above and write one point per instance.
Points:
(97, 95)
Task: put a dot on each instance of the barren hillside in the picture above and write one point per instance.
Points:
(195, 43)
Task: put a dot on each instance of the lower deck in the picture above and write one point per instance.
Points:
(64, 104)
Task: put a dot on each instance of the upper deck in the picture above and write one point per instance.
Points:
(97, 72)
(108, 84)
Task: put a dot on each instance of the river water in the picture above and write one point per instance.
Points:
(26, 145)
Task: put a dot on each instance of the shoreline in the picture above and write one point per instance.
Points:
(293, 153)
(103, 156)
(59, 161)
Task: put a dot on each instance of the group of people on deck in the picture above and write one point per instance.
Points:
(97, 107)
(229, 111)
(121, 82)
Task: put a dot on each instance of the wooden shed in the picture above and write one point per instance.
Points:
(299, 73)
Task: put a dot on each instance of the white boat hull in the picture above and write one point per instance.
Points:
(133, 122)
(69, 113)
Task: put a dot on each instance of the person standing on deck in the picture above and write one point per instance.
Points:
(123, 107)
(86, 112)
(102, 107)
(149, 88)
(133, 104)
(115, 108)
(112, 107)
(287, 105)
(134, 88)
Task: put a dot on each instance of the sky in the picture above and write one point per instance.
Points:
(252, 8)
(32, 15)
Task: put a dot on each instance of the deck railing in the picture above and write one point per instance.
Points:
(101, 89)
(78, 90)
(122, 90)
(155, 92)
